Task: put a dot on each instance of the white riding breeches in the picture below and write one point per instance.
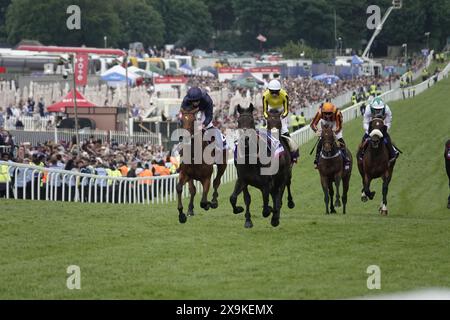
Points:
(331, 124)
(217, 134)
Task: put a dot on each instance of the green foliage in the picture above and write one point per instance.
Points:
(188, 23)
(234, 23)
(3, 7)
(46, 21)
(140, 22)
(299, 50)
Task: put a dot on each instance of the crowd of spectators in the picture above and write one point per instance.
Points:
(103, 158)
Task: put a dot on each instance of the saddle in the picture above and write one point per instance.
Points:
(274, 146)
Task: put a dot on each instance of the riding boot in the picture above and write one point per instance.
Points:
(293, 147)
(344, 154)
(318, 150)
(393, 154)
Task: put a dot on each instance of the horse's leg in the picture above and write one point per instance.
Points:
(291, 203)
(276, 195)
(238, 187)
(267, 210)
(367, 194)
(331, 194)
(216, 183)
(248, 218)
(326, 199)
(192, 191)
(383, 208)
(337, 181)
(181, 182)
(204, 203)
(346, 185)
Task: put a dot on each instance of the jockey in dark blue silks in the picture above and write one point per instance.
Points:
(198, 98)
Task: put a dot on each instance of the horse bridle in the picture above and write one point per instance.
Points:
(329, 154)
(379, 123)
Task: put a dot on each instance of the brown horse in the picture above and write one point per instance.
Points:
(375, 164)
(331, 169)
(274, 122)
(201, 172)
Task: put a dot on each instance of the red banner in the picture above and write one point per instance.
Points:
(81, 69)
(2, 70)
(266, 70)
(231, 70)
(169, 80)
(252, 70)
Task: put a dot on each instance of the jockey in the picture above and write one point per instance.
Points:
(378, 109)
(277, 98)
(329, 115)
(198, 98)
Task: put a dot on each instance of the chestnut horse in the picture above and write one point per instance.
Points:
(375, 164)
(197, 171)
(331, 169)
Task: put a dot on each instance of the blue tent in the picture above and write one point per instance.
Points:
(327, 78)
(116, 76)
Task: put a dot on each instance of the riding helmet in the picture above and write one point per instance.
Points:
(274, 85)
(194, 94)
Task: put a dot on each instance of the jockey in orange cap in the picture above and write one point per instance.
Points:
(329, 115)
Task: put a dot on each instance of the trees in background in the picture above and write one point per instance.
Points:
(223, 24)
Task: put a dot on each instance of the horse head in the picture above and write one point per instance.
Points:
(188, 118)
(274, 120)
(328, 140)
(246, 119)
(376, 134)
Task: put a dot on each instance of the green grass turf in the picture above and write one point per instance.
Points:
(142, 252)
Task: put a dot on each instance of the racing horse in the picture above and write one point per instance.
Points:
(250, 174)
(274, 122)
(375, 163)
(197, 171)
(331, 170)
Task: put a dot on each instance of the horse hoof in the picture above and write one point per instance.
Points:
(275, 222)
(372, 195)
(384, 212)
(364, 198)
(333, 211)
(337, 204)
(191, 213)
(238, 210)
(205, 206)
(214, 205)
(248, 224)
(291, 204)
(182, 217)
(266, 212)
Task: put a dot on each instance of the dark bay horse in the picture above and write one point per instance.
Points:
(375, 164)
(250, 174)
(331, 170)
(197, 171)
(274, 122)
